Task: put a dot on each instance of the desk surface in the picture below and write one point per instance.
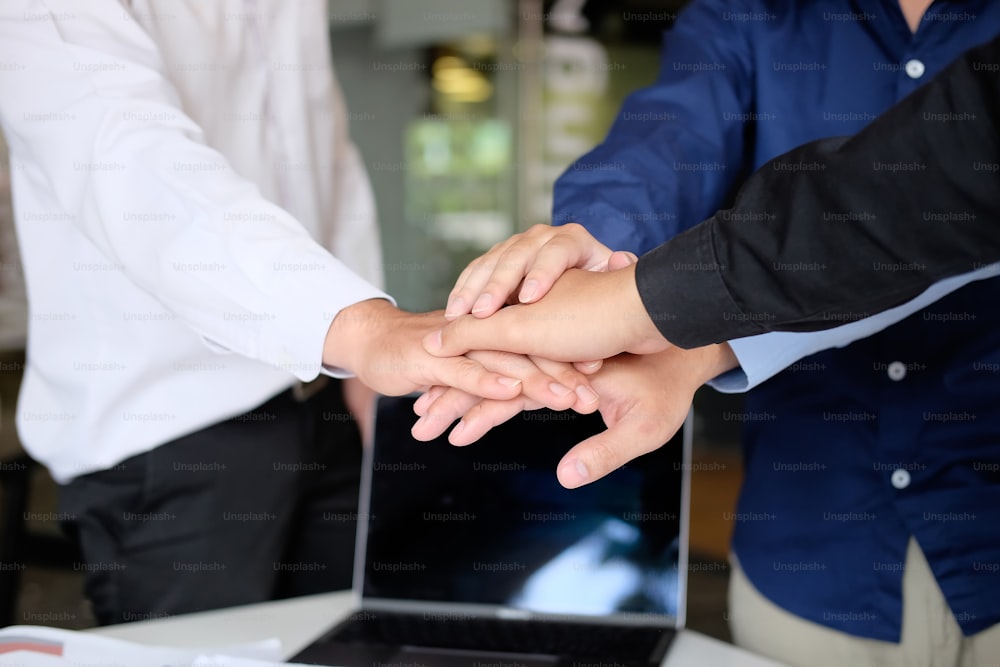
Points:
(299, 621)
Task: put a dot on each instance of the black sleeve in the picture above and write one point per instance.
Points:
(841, 229)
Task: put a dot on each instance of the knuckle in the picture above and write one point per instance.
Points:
(469, 368)
(515, 255)
(474, 266)
(604, 456)
(455, 331)
(570, 377)
(498, 246)
(494, 287)
(460, 372)
(503, 413)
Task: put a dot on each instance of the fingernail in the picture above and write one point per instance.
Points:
(434, 340)
(576, 471)
(528, 291)
(482, 303)
(508, 382)
(459, 427)
(559, 390)
(592, 364)
(455, 308)
(587, 394)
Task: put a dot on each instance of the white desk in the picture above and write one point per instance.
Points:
(299, 621)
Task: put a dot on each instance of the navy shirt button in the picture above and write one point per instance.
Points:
(896, 371)
(900, 478)
(915, 69)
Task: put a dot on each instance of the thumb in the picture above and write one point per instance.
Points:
(621, 259)
(462, 335)
(605, 452)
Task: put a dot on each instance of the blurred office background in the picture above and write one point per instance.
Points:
(465, 112)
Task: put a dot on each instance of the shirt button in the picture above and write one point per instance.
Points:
(915, 69)
(896, 371)
(900, 478)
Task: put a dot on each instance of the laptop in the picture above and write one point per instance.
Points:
(476, 556)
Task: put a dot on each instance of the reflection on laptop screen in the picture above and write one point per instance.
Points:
(490, 524)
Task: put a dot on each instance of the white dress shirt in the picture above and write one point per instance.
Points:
(178, 169)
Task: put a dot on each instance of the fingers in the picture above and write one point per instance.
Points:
(555, 385)
(533, 259)
(485, 415)
(426, 399)
(471, 377)
(466, 334)
(586, 398)
(619, 259)
(605, 452)
(438, 409)
(572, 248)
(588, 367)
(467, 297)
(544, 383)
(382, 346)
(478, 416)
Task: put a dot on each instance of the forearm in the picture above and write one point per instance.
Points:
(102, 132)
(586, 315)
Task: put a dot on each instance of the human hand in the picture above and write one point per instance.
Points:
(644, 401)
(551, 384)
(381, 345)
(439, 407)
(585, 315)
(532, 260)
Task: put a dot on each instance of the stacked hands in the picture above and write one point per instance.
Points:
(575, 336)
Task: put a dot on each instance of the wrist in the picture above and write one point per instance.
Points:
(641, 334)
(696, 366)
(714, 361)
(352, 330)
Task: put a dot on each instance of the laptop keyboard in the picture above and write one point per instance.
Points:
(573, 640)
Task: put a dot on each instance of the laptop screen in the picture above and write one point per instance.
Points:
(490, 524)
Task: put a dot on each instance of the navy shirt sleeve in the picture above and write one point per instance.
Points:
(677, 147)
(916, 197)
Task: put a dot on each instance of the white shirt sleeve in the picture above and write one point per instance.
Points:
(764, 356)
(84, 96)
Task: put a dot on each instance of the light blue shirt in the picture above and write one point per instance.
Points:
(764, 356)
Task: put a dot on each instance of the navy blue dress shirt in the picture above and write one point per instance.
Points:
(850, 452)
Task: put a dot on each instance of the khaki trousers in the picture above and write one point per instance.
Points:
(930, 636)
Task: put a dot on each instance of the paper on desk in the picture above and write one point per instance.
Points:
(229, 661)
(31, 659)
(35, 646)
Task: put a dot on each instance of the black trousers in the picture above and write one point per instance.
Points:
(254, 508)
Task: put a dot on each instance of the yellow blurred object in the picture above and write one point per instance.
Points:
(453, 77)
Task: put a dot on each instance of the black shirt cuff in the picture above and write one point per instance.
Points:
(681, 286)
